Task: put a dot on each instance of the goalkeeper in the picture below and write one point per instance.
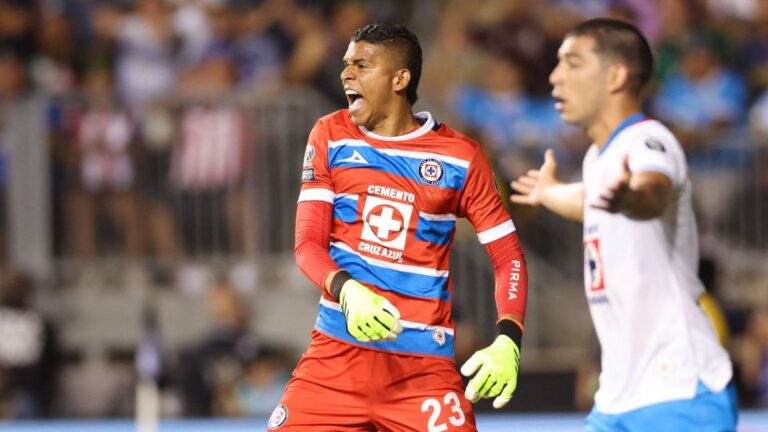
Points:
(382, 188)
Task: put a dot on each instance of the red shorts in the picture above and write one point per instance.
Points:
(339, 387)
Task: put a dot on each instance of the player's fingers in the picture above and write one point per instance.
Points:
(521, 199)
(600, 205)
(506, 394)
(397, 329)
(375, 330)
(357, 333)
(533, 173)
(549, 156)
(500, 401)
(385, 318)
(486, 389)
(472, 365)
(496, 388)
(521, 187)
(391, 309)
(479, 384)
(528, 181)
(395, 332)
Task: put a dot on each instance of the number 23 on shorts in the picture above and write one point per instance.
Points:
(435, 408)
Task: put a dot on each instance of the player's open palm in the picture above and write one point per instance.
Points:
(493, 371)
(532, 186)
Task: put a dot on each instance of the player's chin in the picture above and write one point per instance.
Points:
(359, 119)
(569, 118)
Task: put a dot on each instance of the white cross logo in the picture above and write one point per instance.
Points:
(384, 222)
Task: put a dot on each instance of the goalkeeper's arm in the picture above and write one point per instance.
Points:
(369, 316)
(494, 369)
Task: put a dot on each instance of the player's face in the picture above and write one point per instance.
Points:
(368, 79)
(579, 81)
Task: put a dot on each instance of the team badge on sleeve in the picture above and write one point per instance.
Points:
(431, 170)
(278, 417)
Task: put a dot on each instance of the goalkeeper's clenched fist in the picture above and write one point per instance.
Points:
(370, 317)
(495, 371)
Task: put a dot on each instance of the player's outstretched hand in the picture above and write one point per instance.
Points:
(532, 186)
(495, 372)
(616, 197)
(370, 317)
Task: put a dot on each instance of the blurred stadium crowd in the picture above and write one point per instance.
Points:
(153, 146)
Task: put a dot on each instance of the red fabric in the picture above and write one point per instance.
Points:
(362, 390)
(312, 237)
(511, 277)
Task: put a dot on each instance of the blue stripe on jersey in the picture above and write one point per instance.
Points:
(343, 156)
(412, 284)
(410, 341)
(345, 209)
(437, 232)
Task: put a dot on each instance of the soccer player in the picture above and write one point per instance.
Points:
(382, 188)
(662, 366)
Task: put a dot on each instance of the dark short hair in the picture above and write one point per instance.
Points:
(399, 38)
(622, 41)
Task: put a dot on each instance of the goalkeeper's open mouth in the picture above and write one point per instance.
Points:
(355, 100)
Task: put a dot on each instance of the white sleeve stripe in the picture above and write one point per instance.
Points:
(317, 194)
(438, 217)
(496, 232)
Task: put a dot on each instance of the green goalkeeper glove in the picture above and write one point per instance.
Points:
(497, 376)
(370, 317)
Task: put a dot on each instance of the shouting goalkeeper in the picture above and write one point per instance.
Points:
(382, 188)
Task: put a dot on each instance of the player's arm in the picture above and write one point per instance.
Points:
(494, 369)
(541, 187)
(369, 316)
(642, 195)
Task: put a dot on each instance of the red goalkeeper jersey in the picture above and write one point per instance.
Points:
(395, 205)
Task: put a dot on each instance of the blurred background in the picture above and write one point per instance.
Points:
(150, 156)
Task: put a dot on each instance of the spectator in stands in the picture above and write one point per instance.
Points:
(104, 171)
(701, 98)
(29, 355)
(512, 123)
(680, 21)
(17, 28)
(145, 54)
(12, 86)
(53, 67)
(209, 160)
(221, 357)
(258, 390)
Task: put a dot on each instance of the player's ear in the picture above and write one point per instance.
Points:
(618, 77)
(401, 79)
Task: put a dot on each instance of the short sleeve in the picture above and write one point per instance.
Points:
(656, 153)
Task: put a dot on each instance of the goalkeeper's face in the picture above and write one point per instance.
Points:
(579, 82)
(373, 82)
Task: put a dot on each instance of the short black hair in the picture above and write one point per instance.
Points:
(400, 38)
(623, 41)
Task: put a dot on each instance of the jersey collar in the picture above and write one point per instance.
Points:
(427, 125)
(629, 121)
